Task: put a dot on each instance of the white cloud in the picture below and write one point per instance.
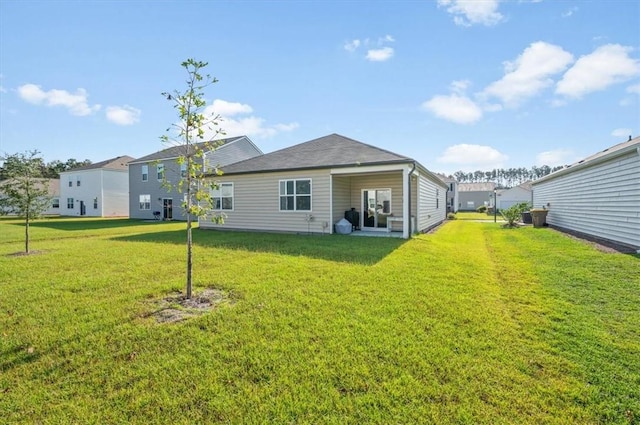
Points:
(555, 157)
(634, 89)
(386, 39)
(473, 156)
(234, 123)
(471, 12)
(380, 55)
(607, 65)
(621, 132)
(2, 90)
(455, 107)
(352, 45)
(224, 108)
(123, 115)
(76, 103)
(529, 74)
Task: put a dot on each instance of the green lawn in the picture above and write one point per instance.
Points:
(471, 324)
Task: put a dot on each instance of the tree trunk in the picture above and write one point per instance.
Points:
(26, 235)
(189, 263)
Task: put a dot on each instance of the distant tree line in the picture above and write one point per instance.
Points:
(505, 177)
(49, 170)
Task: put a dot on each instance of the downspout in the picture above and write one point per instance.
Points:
(409, 196)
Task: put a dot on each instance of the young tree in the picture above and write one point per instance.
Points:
(24, 192)
(188, 135)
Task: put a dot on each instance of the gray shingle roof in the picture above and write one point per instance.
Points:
(476, 187)
(176, 151)
(328, 151)
(117, 163)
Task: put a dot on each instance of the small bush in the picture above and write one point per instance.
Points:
(451, 216)
(513, 213)
(481, 209)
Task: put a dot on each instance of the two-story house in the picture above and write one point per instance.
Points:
(146, 175)
(96, 190)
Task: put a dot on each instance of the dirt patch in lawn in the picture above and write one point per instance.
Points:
(177, 307)
(24, 254)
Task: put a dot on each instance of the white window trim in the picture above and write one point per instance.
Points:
(140, 202)
(70, 201)
(219, 190)
(145, 175)
(160, 171)
(280, 195)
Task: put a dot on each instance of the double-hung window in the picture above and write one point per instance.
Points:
(160, 170)
(295, 195)
(223, 196)
(183, 169)
(145, 202)
(145, 173)
(70, 203)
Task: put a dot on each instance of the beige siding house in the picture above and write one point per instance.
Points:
(309, 187)
(598, 196)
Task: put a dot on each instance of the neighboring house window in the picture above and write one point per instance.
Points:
(145, 173)
(55, 203)
(70, 182)
(145, 202)
(160, 171)
(471, 204)
(183, 169)
(70, 203)
(95, 203)
(78, 182)
(223, 196)
(295, 195)
(437, 198)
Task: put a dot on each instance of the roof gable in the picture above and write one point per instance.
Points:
(176, 151)
(118, 163)
(333, 150)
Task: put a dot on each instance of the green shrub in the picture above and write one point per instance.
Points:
(451, 216)
(481, 209)
(513, 213)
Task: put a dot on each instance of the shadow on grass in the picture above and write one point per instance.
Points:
(75, 223)
(341, 248)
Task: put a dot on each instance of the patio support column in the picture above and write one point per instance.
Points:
(406, 211)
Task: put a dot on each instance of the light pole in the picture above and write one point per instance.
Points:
(495, 206)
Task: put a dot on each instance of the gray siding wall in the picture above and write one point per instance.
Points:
(431, 211)
(233, 152)
(478, 198)
(602, 200)
(153, 187)
(256, 206)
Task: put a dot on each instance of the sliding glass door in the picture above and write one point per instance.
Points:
(376, 207)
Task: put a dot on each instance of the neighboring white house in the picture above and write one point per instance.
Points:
(311, 186)
(598, 196)
(515, 195)
(146, 174)
(96, 190)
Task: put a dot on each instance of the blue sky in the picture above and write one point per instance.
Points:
(456, 85)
